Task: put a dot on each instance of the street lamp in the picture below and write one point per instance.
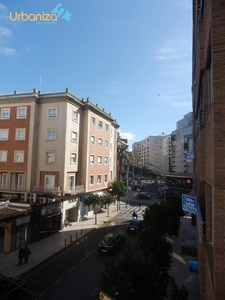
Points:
(164, 178)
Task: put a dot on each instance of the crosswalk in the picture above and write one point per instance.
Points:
(127, 211)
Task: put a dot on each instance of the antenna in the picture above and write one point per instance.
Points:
(40, 78)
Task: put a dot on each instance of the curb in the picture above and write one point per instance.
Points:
(51, 257)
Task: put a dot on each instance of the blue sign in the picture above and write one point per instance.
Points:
(189, 156)
(189, 203)
(193, 266)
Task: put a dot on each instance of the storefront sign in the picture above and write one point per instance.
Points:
(50, 209)
(23, 220)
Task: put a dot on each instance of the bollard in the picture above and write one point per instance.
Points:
(65, 242)
(81, 232)
(76, 235)
(71, 238)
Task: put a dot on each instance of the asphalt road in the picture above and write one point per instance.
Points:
(75, 273)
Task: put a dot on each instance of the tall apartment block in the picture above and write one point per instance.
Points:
(181, 143)
(149, 150)
(208, 89)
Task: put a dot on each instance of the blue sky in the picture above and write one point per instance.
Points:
(133, 58)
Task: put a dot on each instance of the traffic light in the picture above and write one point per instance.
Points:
(188, 181)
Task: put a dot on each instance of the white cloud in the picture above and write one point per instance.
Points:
(127, 135)
(174, 48)
(115, 89)
(5, 34)
(3, 12)
(7, 51)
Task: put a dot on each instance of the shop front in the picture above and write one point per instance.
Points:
(48, 220)
(70, 210)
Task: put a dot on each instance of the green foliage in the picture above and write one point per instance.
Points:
(134, 279)
(93, 200)
(146, 276)
(109, 199)
(119, 188)
(123, 155)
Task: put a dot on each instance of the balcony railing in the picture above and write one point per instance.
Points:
(46, 190)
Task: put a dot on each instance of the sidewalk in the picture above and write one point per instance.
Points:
(58, 241)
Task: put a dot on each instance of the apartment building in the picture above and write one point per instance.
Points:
(208, 88)
(53, 148)
(181, 143)
(150, 150)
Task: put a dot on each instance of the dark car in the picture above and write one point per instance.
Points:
(135, 225)
(111, 243)
(10, 288)
(143, 196)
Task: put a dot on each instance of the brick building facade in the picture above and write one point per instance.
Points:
(208, 89)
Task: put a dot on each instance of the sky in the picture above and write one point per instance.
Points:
(133, 58)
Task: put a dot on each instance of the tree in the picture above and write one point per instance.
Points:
(118, 189)
(93, 200)
(123, 156)
(107, 200)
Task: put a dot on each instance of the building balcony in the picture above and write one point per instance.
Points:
(47, 190)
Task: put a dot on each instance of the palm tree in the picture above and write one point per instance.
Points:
(123, 156)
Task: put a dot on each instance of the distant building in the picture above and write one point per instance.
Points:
(181, 143)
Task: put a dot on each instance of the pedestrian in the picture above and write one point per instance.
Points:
(127, 201)
(27, 253)
(183, 293)
(174, 290)
(140, 204)
(21, 255)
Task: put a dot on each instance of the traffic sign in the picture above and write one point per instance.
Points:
(193, 266)
(189, 203)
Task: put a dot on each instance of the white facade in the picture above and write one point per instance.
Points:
(151, 150)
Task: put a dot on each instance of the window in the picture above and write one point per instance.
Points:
(75, 115)
(20, 133)
(100, 124)
(99, 160)
(71, 183)
(91, 179)
(3, 156)
(100, 142)
(21, 182)
(50, 157)
(52, 112)
(99, 179)
(19, 156)
(21, 112)
(49, 183)
(4, 134)
(92, 140)
(4, 181)
(107, 127)
(74, 136)
(5, 113)
(51, 134)
(93, 121)
(106, 178)
(73, 158)
(92, 159)
(106, 144)
(106, 160)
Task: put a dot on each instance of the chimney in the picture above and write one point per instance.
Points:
(15, 92)
(67, 90)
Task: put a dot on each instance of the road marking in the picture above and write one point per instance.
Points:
(95, 291)
(71, 270)
(110, 225)
(57, 281)
(83, 259)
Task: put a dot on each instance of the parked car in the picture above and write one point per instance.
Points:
(10, 288)
(143, 196)
(111, 243)
(135, 225)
